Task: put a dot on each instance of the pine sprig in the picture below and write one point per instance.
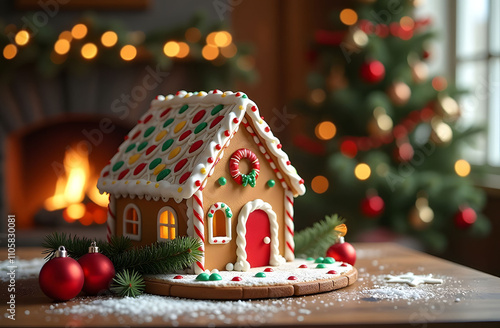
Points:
(160, 257)
(128, 284)
(315, 240)
(75, 246)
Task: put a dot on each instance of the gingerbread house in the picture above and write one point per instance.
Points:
(205, 165)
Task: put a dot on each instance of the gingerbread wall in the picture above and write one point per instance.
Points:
(149, 217)
(236, 196)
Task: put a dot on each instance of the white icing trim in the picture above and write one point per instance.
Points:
(275, 258)
(289, 226)
(138, 222)
(219, 206)
(159, 225)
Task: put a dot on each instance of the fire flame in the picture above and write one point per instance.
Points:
(73, 185)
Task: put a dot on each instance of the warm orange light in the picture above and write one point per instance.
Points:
(319, 184)
(462, 168)
(229, 51)
(89, 50)
(171, 49)
(76, 211)
(211, 38)
(128, 52)
(79, 31)
(210, 52)
(325, 130)
(10, 51)
(22, 37)
(66, 35)
(193, 34)
(348, 16)
(439, 83)
(183, 50)
(318, 95)
(222, 39)
(109, 39)
(62, 46)
(362, 171)
(407, 23)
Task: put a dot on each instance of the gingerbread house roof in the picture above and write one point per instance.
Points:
(179, 140)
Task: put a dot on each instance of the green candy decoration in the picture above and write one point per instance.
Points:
(260, 275)
(215, 277)
(319, 260)
(203, 277)
(320, 266)
(329, 260)
(271, 183)
(222, 181)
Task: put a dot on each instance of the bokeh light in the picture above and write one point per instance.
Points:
(66, 35)
(462, 168)
(319, 184)
(89, 50)
(362, 171)
(62, 46)
(318, 95)
(79, 31)
(128, 52)
(171, 49)
(10, 51)
(183, 50)
(193, 34)
(348, 17)
(210, 52)
(229, 51)
(325, 130)
(407, 23)
(109, 39)
(22, 37)
(439, 83)
(222, 39)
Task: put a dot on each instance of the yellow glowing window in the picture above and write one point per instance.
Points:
(132, 222)
(167, 223)
(220, 224)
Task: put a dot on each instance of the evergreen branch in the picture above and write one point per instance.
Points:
(160, 257)
(128, 284)
(75, 246)
(315, 240)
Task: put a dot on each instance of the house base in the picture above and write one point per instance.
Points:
(297, 278)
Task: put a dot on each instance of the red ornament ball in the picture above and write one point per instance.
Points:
(372, 206)
(62, 277)
(372, 71)
(342, 251)
(98, 271)
(465, 218)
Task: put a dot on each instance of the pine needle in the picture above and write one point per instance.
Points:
(314, 241)
(128, 284)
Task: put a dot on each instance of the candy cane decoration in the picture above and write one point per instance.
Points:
(290, 245)
(199, 229)
(234, 164)
(111, 221)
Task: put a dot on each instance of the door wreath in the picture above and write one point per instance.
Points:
(234, 167)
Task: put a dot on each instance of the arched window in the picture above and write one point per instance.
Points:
(219, 223)
(132, 222)
(167, 223)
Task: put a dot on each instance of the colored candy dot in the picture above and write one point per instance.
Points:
(268, 270)
(160, 135)
(310, 259)
(244, 96)
(136, 134)
(319, 260)
(235, 120)
(183, 109)
(292, 278)
(200, 127)
(168, 122)
(210, 160)
(165, 112)
(343, 265)
(203, 170)
(174, 152)
(237, 279)
(178, 277)
(184, 177)
(254, 109)
(267, 129)
(195, 146)
(216, 121)
(185, 135)
(198, 116)
(179, 189)
(179, 126)
(332, 272)
(216, 109)
(180, 165)
(148, 118)
(117, 166)
(142, 146)
(139, 168)
(320, 266)
(167, 144)
(163, 174)
(271, 183)
(203, 277)
(215, 277)
(260, 275)
(279, 146)
(197, 183)
(222, 181)
(134, 158)
(123, 174)
(227, 133)
(329, 260)
(130, 147)
(148, 132)
(159, 168)
(303, 266)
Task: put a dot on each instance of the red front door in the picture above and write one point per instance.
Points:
(258, 228)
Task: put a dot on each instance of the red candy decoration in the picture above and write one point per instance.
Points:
(184, 177)
(139, 168)
(62, 277)
(372, 206)
(180, 165)
(237, 279)
(216, 121)
(268, 270)
(98, 271)
(465, 217)
(342, 251)
(148, 118)
(198, 116)
(372, 71)
(165, 112)
(178, 277)
(332, 272)
(292, 278)
(195, 146)
(150, 149)
(302, 266)
(136, 134)
(254, 109)
(123, 174)
(184, 135)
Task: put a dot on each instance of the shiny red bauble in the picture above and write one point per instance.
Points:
(372, 206)
(62, 277)
(465, 217)
(342, 251)
(98, 271)
(372, 71)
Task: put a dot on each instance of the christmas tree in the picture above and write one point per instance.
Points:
(381, 145)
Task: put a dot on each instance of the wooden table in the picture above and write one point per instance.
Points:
(468, 298)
